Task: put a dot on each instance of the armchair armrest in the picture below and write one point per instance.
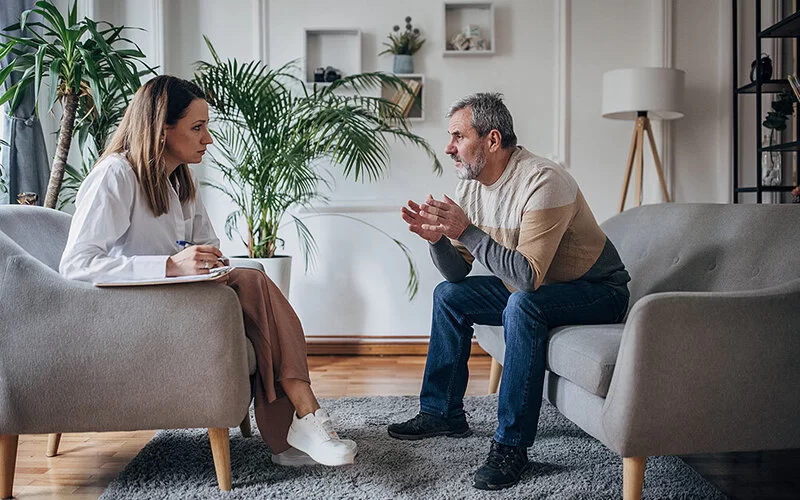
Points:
(707, 372)
(76, 357)
(246, 262)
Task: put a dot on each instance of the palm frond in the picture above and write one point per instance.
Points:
(271, 129)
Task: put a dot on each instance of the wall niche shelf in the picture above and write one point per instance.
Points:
(417, 111)
(336, 47)
(467, 18)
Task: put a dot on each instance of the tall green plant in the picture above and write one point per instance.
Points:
(76, 57)
(270, 130)
(93, 129)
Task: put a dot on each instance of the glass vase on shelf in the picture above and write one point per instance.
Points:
(771, 174)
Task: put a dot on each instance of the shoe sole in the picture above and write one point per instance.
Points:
(294, 462)
(346, 459)
(415, 437)
(482, 485)
(488, 486)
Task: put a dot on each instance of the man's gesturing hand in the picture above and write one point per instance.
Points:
(415, 221)
(444, 217)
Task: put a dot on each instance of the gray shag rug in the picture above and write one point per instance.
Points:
(565, 462)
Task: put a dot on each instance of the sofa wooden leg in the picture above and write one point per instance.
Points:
(494, 376)
(632, 477)
(221, 449)
(52, 443)
(8, 462)
(247, 430)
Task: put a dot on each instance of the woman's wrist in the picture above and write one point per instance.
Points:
(172, 267)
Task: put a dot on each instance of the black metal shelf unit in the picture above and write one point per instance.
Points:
(788, 27)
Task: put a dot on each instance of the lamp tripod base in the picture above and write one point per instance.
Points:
(636, 155)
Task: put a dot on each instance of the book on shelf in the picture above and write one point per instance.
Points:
(795, 86)
(405, 100)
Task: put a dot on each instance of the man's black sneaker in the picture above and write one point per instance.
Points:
(424, 426)
(503, 467)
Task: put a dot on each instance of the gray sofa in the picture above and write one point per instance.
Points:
(709, 357)
(74, 357)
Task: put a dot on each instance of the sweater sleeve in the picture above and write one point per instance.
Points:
(509, 265)
(449, 260)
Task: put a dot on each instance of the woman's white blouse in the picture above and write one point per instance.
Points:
(115, 234)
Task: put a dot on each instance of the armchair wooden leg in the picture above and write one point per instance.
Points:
(247, 430)
(495, 373)
(632, 477)
(52, 444)
(221, 449)
(8, 462)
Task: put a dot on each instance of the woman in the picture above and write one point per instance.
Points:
(132, 212)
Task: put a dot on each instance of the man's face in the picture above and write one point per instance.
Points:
(465, 147)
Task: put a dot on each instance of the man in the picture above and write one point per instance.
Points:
(524, 218)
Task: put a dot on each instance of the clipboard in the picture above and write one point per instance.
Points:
(215, 274)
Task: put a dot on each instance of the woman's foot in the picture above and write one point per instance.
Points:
(296, 458)
(314, 435)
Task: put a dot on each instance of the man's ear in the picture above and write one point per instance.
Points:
(495, 140)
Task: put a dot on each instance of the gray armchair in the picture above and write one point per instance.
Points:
(707, 360)
(75, 358)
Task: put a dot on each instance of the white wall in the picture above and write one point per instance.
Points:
(357, 287)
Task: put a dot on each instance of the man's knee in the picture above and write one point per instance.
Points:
(449, 294)
(522, 306)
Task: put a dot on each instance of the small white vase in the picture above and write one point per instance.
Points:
(279, 270)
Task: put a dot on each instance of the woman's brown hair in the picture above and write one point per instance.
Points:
(160, 102)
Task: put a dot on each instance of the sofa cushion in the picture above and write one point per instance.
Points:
(585, 355)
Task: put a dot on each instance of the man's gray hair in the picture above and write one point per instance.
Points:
(488, 113)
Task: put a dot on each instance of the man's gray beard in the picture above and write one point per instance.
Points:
(470, 171)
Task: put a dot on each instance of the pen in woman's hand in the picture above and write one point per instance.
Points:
(184, 244)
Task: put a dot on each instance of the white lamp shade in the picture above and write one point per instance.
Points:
(659, 91)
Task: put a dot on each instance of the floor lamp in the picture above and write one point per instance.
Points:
(639, 94)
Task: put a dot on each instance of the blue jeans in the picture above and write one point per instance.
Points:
(526, 318)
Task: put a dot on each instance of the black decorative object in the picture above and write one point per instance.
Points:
(319, 75)
(766, 69)
(332, 74)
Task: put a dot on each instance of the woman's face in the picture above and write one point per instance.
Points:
(186, 141)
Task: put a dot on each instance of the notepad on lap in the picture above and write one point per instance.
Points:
(215, 274)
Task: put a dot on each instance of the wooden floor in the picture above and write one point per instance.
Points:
(88, 462)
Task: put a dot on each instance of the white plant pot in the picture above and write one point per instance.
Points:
(279, 270)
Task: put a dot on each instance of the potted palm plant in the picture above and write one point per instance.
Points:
(79, 59)
(93, 128)
(270, 129)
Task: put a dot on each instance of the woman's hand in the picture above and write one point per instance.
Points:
(196, 259)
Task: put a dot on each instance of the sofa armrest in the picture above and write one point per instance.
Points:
(76, 357)
(707, 372)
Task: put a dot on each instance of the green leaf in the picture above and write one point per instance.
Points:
(39, 71)
(73, 14)
(51, 14)
(6, 71)
(54, 77)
